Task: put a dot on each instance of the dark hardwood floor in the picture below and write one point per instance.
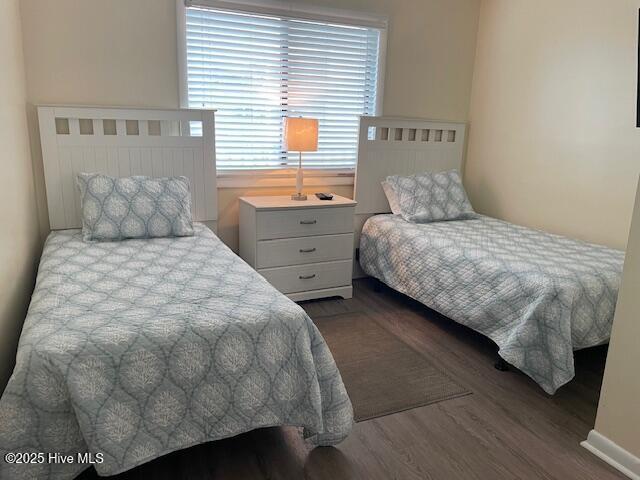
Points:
(507, 429)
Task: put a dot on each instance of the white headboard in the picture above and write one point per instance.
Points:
(390, 145)
(122, 142)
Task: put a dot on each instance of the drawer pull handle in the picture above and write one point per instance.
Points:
(308, 222)
(307, 250)
(307, 277)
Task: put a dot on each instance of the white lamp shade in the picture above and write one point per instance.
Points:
(301, 134)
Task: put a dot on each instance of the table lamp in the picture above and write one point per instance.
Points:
(300, 135)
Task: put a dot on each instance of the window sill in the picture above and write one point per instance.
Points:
(284, 178)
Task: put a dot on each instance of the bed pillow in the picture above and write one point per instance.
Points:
(392, 198)
(134, 207)
(432, 197)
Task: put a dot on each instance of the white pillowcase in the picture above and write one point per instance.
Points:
(392, 198)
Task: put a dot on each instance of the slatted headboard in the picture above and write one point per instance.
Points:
(390, 145)
(122, 142)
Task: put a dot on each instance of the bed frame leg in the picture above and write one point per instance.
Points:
(501, 365)
(377, 285)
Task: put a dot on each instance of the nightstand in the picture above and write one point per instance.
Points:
(303, 248)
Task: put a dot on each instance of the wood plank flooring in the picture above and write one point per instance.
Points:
(507, 429)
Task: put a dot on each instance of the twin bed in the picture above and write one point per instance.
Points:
(538, 296)
(132, 349)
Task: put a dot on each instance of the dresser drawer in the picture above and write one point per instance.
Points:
(313, 276)
(303, 222)
(297, 251)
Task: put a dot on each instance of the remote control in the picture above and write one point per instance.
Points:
(324, 196)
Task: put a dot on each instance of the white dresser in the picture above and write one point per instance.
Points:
(303, 248)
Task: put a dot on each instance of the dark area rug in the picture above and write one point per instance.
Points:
(383, 375)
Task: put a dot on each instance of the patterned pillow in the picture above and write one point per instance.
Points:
(432, 197)
(134, 207)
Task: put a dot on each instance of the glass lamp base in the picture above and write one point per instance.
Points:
(298, 196)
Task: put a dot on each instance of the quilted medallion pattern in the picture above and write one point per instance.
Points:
(538, 296)
(138, 348)
(431, 197)
(134, 207)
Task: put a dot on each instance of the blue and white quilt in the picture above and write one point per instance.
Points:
(538, 296)
(137, 348)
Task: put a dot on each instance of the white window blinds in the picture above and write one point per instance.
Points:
(257, 69)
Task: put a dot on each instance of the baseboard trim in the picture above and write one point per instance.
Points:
(613, 454)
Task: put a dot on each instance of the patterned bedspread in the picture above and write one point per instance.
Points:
(538, 296)
(137, 348)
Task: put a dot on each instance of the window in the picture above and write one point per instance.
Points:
(257, 68)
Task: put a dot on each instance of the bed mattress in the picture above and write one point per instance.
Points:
(538, 296)
(137, 348)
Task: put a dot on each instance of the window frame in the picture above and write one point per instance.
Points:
(283, 177)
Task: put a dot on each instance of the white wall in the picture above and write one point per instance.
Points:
(19, 235)
(618, 411)
(553, 142)
(123, 52)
